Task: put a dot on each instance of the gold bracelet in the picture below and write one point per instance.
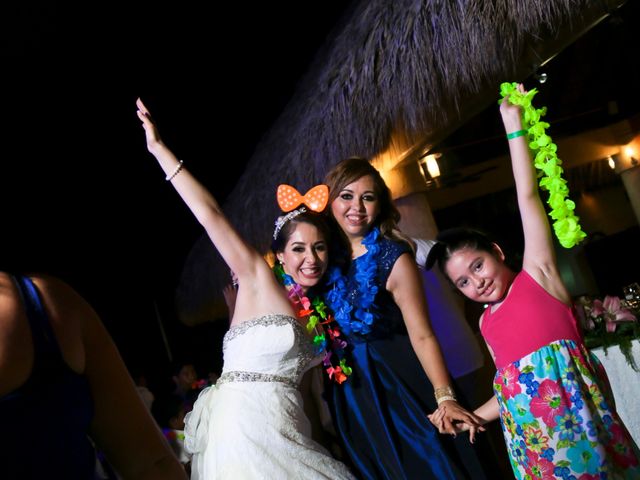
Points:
(444, 398)
(444, 393)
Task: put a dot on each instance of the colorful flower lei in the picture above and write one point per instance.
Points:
(318, 316)
(362, 319)
(565, 225)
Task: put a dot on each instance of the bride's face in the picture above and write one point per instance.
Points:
(305, 255)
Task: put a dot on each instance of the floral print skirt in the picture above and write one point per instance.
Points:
(559, 418)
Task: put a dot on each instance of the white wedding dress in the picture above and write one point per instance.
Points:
(251, 424)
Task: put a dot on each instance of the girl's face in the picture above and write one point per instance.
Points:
(481, 276)
(305, 255)
(356, 207)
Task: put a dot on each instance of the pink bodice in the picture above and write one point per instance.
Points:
(529, 318)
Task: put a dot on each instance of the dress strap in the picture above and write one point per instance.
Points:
(44, 340)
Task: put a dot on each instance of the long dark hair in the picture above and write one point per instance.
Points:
(453, 239)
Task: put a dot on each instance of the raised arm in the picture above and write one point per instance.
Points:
(238, 255)
(539, 258)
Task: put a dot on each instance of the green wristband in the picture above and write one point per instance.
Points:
(516, 134)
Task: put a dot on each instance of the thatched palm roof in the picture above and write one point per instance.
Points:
(421, 67)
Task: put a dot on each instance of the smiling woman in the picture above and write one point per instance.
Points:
(255, 411)
(398, 371)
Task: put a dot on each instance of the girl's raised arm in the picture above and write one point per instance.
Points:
(539, 258)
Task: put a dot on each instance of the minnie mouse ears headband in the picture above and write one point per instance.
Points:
(289, 199)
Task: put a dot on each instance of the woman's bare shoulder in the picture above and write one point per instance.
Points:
(9, 301)
(57, 292)
(16, 354)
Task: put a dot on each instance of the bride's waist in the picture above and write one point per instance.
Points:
(237, 376)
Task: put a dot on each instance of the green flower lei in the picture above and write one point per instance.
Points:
(565, 225)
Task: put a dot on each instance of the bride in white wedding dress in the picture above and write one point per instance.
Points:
(252, 420)
(251, 424)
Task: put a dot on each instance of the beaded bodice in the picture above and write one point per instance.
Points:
(272, 348)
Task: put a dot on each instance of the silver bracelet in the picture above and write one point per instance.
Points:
(175, 172)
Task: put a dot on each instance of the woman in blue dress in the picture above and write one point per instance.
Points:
(398, 371)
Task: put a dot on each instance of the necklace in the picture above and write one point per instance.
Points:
(357, 317)
(321, 324)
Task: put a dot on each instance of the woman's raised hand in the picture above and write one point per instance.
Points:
(150, 129)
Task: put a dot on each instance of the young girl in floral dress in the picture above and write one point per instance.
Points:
(551, 394)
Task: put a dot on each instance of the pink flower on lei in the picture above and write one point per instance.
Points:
(549, 403)
(611, 311)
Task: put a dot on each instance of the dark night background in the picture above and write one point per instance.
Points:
(82, 199)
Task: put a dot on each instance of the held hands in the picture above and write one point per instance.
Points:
(451, 418)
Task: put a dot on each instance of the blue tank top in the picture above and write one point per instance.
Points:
(45, 422)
